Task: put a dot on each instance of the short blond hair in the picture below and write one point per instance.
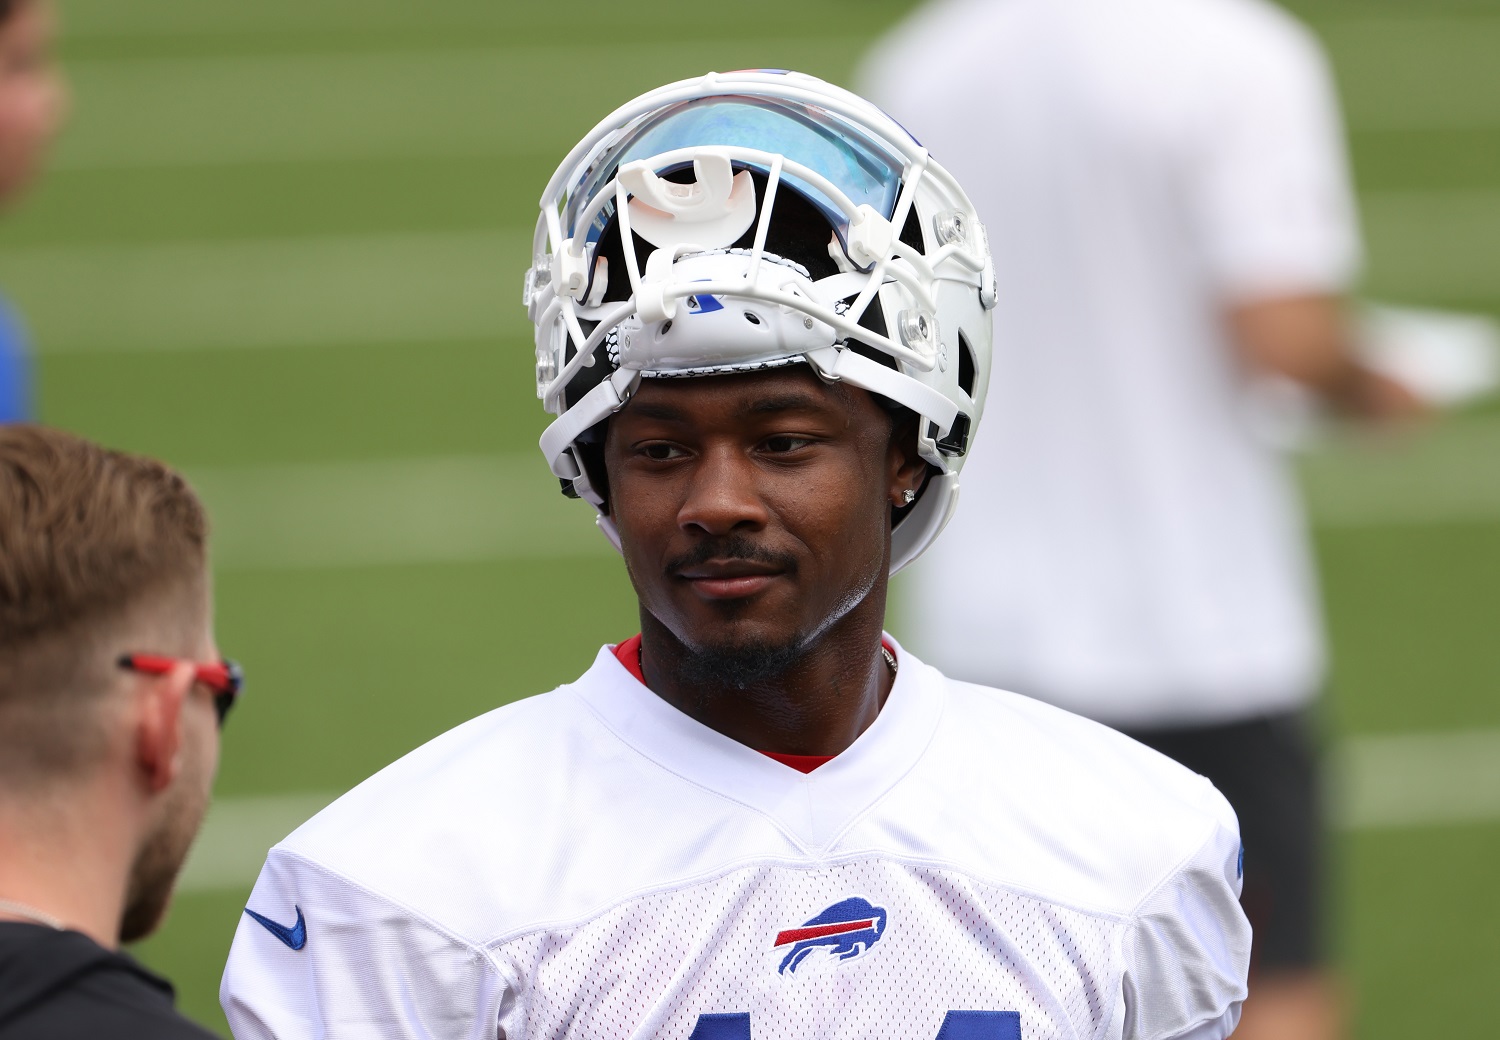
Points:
(87, 535)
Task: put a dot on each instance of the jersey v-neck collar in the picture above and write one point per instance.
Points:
(628, 653)
(812, 808)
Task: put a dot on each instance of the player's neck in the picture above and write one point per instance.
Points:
(818, 705)
(69, 864)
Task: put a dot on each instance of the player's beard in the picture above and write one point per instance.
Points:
(743, 665)
(160, 859)
(739, 667)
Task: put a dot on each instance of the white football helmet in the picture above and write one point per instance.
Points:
(753, 219)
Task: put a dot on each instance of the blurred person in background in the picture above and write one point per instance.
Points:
(112, 693)
(31, 108)
(1167, 199)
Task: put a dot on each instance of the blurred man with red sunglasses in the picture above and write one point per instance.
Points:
(111, 697)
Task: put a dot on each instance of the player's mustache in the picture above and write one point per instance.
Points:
(735, 547)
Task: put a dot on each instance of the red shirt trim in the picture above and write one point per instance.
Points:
(628, 654)
(801, 763)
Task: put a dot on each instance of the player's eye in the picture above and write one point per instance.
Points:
(659, 452)
(784, 443)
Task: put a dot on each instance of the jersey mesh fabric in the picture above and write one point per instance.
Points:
(652, 966)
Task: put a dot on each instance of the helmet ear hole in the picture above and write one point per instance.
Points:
(752, 318)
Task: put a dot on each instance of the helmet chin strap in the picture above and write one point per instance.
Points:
(599, 403)
(838, 363)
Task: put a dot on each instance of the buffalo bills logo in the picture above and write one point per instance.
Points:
(703, 303)
(846, 930)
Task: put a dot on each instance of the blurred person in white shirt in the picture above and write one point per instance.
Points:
(1167, 199)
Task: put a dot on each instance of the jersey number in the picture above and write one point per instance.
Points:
(957, 1025)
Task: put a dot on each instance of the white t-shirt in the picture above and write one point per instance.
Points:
(593, 863)
(1127, 547)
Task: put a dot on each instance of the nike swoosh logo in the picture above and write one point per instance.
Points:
(295, 936)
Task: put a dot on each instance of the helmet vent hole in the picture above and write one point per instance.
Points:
(752, 317)
(666, 327)
(966, 365)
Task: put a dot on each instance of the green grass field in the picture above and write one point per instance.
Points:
(281, 246)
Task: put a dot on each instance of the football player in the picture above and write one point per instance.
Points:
(762, 317)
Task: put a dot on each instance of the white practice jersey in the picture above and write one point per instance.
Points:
(592, 863)
(1130, 546)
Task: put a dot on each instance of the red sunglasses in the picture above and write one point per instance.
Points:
(225, 679)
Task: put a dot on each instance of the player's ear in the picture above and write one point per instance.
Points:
(906, 470)
(157, 724)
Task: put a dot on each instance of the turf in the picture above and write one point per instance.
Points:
(287, 233)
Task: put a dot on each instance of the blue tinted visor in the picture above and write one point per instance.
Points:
(865, 168)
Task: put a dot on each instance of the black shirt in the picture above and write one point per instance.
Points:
(59, 985)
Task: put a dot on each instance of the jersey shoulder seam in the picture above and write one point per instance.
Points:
(1172, 872)
(476, 949)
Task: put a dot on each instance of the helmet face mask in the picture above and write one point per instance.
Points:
(749, 220)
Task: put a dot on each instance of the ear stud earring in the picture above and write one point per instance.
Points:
(909, 496)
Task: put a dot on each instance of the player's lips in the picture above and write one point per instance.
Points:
(729, 579)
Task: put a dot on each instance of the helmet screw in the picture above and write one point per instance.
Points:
(807, 323)
(917, 330)
(950, 226)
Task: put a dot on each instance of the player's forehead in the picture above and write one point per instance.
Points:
(740, 397)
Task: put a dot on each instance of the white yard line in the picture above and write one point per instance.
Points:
(1448, 474)
(419, 287)
(1417, 779)
(415, 288)
(1378, 783)
(393, 512)
(434, 510)
(232, 845)
(1398, 73)
(413, 102)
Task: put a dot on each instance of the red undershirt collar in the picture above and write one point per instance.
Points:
(629, 654)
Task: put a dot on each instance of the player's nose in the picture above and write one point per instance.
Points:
(722, 494)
